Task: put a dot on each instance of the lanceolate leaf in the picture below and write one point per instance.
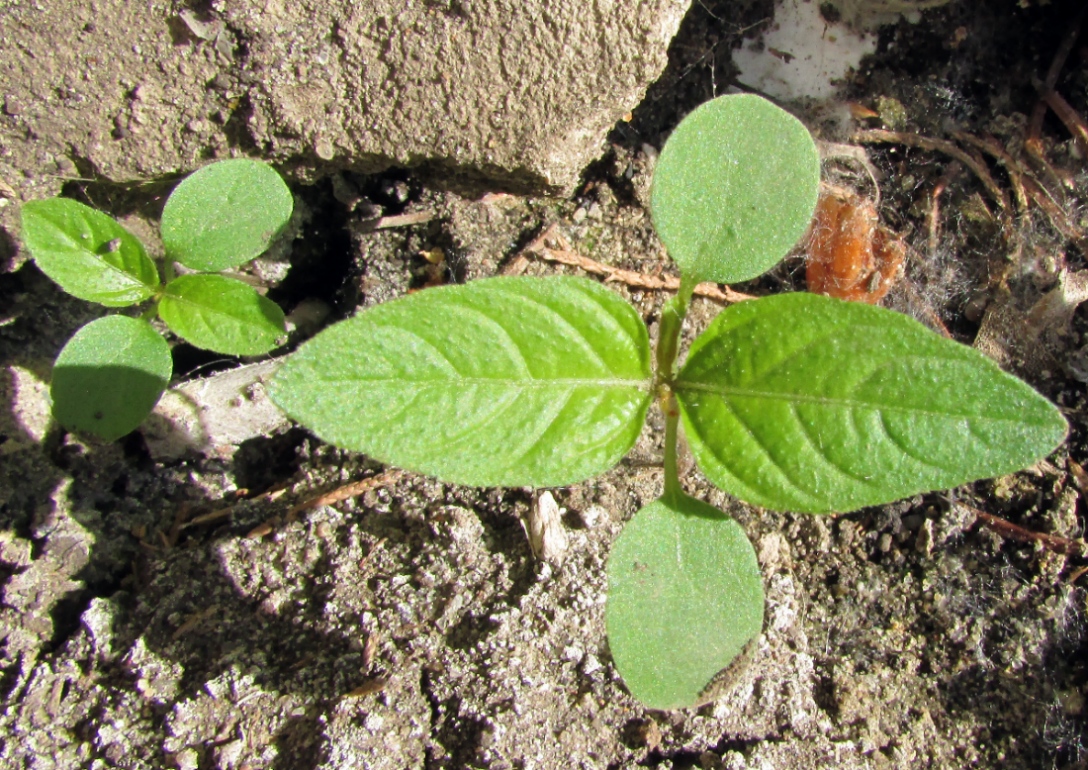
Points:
(805, 403)
(221, 314)
(88, 253)
(225, 214)
(734, 188)
(685, 596)
(109, 376)
(501, 382)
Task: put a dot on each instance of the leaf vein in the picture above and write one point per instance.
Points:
(763, 448)
(573, 331)
(902, 446)
(819, 450)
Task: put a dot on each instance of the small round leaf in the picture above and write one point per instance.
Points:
(685, 597)
(109, 376)
(221, 314)
(225, 214)
(734, 188)
(88, 253)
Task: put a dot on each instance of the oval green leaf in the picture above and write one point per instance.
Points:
(109, 376)
(500, 382)
(806, 403)
(225, 214)
(87, 253)
(685, 595)
(221, 314)
(734, 188)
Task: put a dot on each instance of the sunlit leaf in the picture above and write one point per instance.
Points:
(500, 382)
(685, 596)
(88, 253)
(225, 214)
(734, 188)
(221, 314)
(806, 403)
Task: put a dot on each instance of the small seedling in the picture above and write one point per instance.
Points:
(792, 402)
(111, 373)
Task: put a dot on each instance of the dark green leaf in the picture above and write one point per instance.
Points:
(805, 403)
(501, 382)
(221, 314)
(88, 253)
(685, 596)
(734, 188)
(109, 376)
(225, 214)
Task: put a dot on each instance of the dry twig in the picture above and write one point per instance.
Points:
(565, 255)
(398, 220)
(1016, 172)
(354, 489)
(1011, 531)
(880, 136)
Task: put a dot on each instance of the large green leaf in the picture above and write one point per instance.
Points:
(806, 403)
(221, 314)
(500, 382)
(88, 253)
(109, 376)
(734, 188)
(685, 596)
(225, 214)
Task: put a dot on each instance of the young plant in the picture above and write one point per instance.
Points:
(111, 373)
(791, 402)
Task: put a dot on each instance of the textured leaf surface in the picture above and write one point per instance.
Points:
(734, 188)
(109, 376)
(806, 403)
(685, 595)
(221, 314)
(225, 214)
(501, 382)
(88, 253)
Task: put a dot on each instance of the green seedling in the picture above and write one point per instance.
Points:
(110, 375)
(791, 402)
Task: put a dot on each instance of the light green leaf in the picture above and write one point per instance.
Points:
(500, 382)
(221, 314)
(734, 188)
(685, 596)
(109, 376)
(225, 214)
(806, 403)
(88, 253)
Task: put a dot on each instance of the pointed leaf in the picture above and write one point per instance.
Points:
(109, 376)
(501, 382)
(88, 253)
(811, 404)
(685, 595)
(225, 214)
(221, 314)
(734, 188)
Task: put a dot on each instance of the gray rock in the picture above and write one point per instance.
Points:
(483, 91)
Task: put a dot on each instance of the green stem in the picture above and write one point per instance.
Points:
(668, 347)
(672, 420)
(672, 321)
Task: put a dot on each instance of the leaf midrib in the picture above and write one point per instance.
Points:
(131, 280)
(532, 382)
(217, 311)
(726, 392)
